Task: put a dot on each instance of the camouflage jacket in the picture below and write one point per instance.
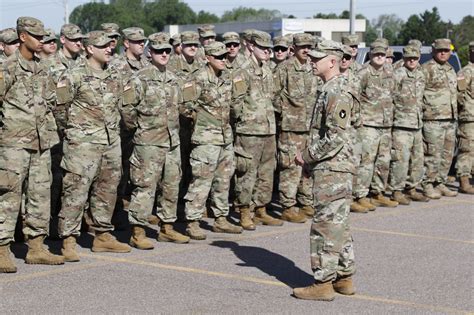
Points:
(330, 144)
(440, 98)
(296, 88)
(237, 63)
(28, 94)
(182, 68)
(151, 105)
(408, 98)
(127, 67)
(466, 93)
(375, 92)
(256, 115)
(58, 63)
(93, 100)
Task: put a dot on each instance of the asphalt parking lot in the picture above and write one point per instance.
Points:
(415, 259)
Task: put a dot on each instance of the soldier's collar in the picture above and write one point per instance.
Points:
(32, 66)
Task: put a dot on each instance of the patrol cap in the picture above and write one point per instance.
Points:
(175, 39)
(350, 40)
(325, 48)
(97, 38)
(50, 36)
(378, 47)
(442, 43)
(71, 31)
(262, 39)
(134, 33)
(347, 50)
(281, 41)
(111, 29)
(381, 42)
(303, 39)
(247, 34)
(190, 37)
(215, 49)
(415, 42)
(30, 25)
(289, 37)
(159, 41)
(411, 51)
(390, 53)
(9, 35)
(206, 30)
(231, 37)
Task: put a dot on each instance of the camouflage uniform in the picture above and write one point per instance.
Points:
(329, 156)
(465, 159)
(376, 88)
(439, 120)
(9, 36)
(255, 128)
(28, 131)
(151, 105)
(296, 91)
(406, 166)
(92, 156)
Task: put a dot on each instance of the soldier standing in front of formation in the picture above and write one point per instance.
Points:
(255, 128)
(27, 133)
(376, 88)
(92, 94)
(406, 166)
(151, 101)
(296, 88)
(465, 159)
(212, 156)
(328, 157)
(439, 120)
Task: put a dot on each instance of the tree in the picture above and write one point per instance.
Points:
(164, 12)
(243, 14)
(391, 25)
(206, 17)
(425, 27)
(462, 34)
(89, 16)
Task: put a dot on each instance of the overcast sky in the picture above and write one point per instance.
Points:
(51, 12)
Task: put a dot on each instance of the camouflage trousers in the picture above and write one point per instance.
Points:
(92, 173)
(24, 173)
(255, 166)
(212, 168)
(374, 165)
(439, 137)
(292, 186)
(332, 252)
(155, 174)
(406, 166)
(126, 137)
(465, 160)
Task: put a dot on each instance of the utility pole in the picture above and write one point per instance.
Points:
(66, 11)
(352, 14)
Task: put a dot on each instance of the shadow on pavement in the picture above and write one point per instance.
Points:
(278, 266)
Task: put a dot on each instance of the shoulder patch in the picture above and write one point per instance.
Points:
(462, 84)
(342, 114)
(189, 91)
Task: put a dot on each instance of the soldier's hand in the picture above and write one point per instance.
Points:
(299, 159)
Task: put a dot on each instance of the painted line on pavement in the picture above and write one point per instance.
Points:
(412, 235)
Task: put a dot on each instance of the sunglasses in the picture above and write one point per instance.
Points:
(232, 45)
(221, 57)
(191, 45)
(161, 51)
(346, 57)
(279, 49)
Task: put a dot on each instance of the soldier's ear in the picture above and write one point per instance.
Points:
(62, 39)
(89, 50)
(22, 36)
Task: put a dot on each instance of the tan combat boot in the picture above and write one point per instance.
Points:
(69, 249)
(366, 203)
(416, 196)
(194, 231)
(344, 286)
(399, 197)
(6, 262)
(465, 186)
(221, 225)
(139, 239)
(430, 192)
(307, 211)
(379, 200)
(37, 254)
(318, 291)
(261, 216)
(153, 219)
(356, 207)
(246, 219)
(291, 215)
(445, 191)
(168, 234)
(106, 242)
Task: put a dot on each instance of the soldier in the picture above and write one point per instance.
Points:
(246, 41)
(376, 86)
(390, 56)
(151, 106)
(92, 93)
(406, 166)
(175, 41)
(255, 128)
(412, 42)
(234, 58)
(50, 47)
(212, 156)
(11, 42)
(280, 51)
(329, 159)
(27, 132)
(207, 35)
(353, 42)
(465, 160)
(69, 55)
(296, 88)
(439, 120)
(113, 31)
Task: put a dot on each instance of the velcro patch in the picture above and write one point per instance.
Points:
(342, 113)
